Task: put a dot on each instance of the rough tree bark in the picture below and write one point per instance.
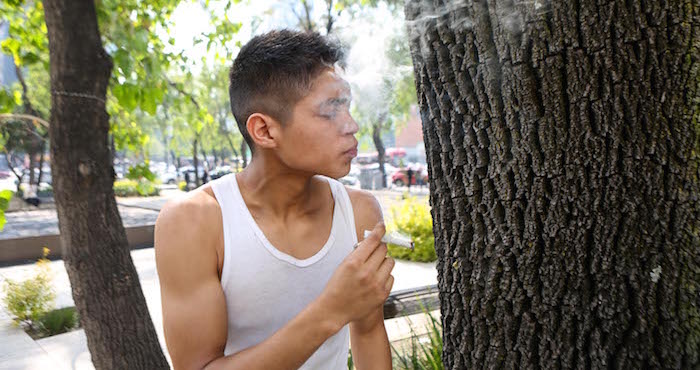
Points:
(105, 285)
(562, 141)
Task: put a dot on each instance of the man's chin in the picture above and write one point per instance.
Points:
(336, 173)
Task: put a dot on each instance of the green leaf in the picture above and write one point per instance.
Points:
(5, 197)
(122, 60)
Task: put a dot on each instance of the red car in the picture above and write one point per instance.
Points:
(400, 177)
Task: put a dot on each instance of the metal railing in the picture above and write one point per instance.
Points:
(411, 301)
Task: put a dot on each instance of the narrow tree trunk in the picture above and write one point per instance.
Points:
(106, 289)
(381, 151)
(195, 162)
(562, 143)
(244, 153)
(32, 166)
(204, 154)
(41, 162)
(112, 150)
(234, 152)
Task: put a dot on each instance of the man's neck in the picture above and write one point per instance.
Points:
(273, 187)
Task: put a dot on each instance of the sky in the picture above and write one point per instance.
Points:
(257, 16)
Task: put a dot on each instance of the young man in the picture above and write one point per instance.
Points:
(257, 269)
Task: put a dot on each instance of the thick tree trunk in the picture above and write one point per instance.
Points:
(562, 142)
(105, 285)
(381, 151)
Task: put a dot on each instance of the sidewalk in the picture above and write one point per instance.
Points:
(69, 351)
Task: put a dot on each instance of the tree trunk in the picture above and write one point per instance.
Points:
(244, 153)
(381, 152)
(205, 162)
(195, 162)
(41, 162)
(106, 289)
(112, 150)
(32, 165)
(233, 150)
(562, 143)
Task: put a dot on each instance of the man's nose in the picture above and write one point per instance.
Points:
(351, 127)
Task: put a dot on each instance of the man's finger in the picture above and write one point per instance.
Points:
(371, 242)
(389, 283)
(377, 257)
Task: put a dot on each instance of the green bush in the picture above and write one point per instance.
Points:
(141, 172)
(130, 188)
(58, 321)
(182, 185)
(413, 218)
(28, 300)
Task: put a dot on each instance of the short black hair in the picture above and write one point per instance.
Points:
(273, 71)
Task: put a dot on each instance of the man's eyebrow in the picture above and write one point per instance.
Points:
(345, 99)
(336, 101)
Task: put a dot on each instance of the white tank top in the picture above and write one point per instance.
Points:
(265, 288)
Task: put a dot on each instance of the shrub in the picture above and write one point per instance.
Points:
(130, 188)
(58, 321)
(413, 218)
(140, 172)
(28, 300)
(182, 185)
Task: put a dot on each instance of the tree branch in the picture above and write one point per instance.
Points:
(330, 20)
(29, 117)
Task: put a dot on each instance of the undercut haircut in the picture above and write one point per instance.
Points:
(274, 71)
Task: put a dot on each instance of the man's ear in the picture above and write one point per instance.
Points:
(263, 129)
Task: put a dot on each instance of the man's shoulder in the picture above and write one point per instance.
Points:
(366, 209)
(192, 216)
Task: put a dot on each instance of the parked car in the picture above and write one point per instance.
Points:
(219, 172)
(168, 177)
(400, 177)
(350, 181)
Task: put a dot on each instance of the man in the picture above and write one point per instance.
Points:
(258, 270)
(409, 174)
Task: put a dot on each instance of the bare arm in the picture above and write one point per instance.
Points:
(369, 341)
(194, 307)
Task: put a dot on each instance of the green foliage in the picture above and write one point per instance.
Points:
(5, 197)
(413, 218)
(423, 355)
(141, 172)
(182, 185)
(27, 301)
(131, 188)
(58, 321)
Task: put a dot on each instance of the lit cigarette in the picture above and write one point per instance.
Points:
(395, 239)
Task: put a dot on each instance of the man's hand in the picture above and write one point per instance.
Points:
(362, 282)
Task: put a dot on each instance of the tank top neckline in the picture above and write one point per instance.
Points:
(269, 246)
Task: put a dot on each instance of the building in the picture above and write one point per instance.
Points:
(410, 137)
